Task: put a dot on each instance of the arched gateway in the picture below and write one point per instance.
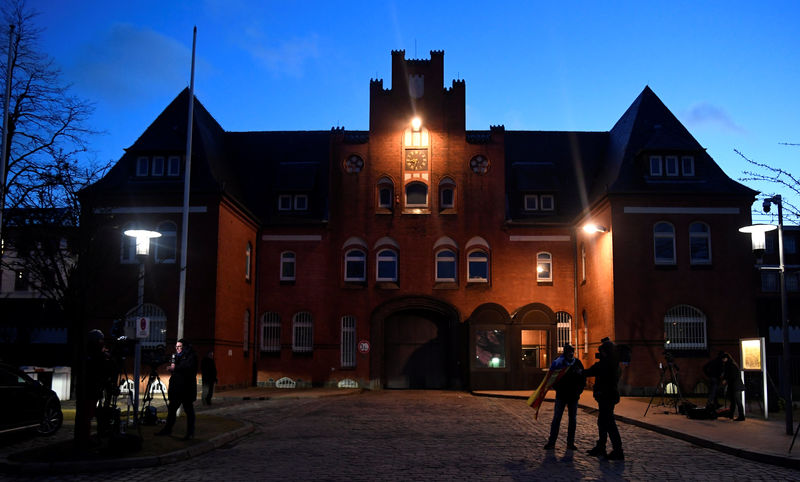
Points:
(414, 344)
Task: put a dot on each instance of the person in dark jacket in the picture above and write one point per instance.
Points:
(732, 377)
(208, 370)
(568, 391)
(713, 370)
(607, 373)
(182, 388)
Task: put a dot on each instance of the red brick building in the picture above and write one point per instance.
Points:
(421, 254)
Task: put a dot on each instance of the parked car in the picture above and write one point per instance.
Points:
(25, 404)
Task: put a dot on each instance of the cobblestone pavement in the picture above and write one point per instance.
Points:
(427, 435)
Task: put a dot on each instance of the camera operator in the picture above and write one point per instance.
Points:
(182, 387)
(607, 374)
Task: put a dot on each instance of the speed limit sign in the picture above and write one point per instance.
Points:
(363, 346)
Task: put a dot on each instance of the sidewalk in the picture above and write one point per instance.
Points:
(755, 438)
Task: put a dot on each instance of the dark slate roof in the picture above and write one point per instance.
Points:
(558, 163)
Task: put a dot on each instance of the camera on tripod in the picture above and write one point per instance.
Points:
(670, 359)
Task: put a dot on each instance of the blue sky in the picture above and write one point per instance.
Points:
(728, 70)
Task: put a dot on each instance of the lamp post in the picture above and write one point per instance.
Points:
(142, 237)
(757, 233)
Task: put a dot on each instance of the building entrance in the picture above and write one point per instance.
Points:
(415, 350)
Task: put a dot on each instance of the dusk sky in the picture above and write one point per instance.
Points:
(728, 70)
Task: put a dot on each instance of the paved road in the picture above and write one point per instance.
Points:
(427, 435)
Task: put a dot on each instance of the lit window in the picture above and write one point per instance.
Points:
(546, 202)
(166, 245)
(671, 165)
(531, 202)
(416, 138)
(385, 193)
(285, 202)
(445, 265)
(287, 266)
(583, 263)
(687, 165)
(301, 202)
(684, 328)
(544, 267)
(387, 265)
(355, 266)
(655, 166)
(664, 243)
(348, 348)
(416, 194)
(477, 267)
(699, 243)
(174, 166)
(490, 349)
(142, 166)
(271, 332)
(302, 332)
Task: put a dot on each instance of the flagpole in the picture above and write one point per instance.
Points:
(186, 178)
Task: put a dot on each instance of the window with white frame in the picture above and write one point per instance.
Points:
(246, 332)
(531, 202)
(355, 265)
(544, 267)
(127, 249)
(288, 265)
(687, 165)
(166, 245)
(699, 243)
(563, 329)
(284, 202)
(302, 332)
(301, 202)
(664, 243)
(385, 193)
(583, 262)
(248, 260)
(684, 328)
(445, 265)
(386, 261)
(416, 194)
(547, 202)
(478, 267)
(158, 166)
(142, 166)
(671, 165)
(348, 348)
(173, 166)
(447, 193)
(270, 332)
(655, 166)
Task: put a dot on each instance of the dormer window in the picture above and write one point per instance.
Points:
(174, 166)
(142, 166)
(301, 202)
(539, 202)
(687, 165)
(671, 165)
(655, 166)
(158, 166)
(546, 202)
(288, 202)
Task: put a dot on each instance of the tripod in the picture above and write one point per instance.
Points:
(153, 384)
(661, 388)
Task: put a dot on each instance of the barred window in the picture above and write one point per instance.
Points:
(302, 332)
(271, 332)
(348, 341)
(564, 329)
(685, 328)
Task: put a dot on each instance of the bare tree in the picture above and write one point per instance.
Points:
(763, 172)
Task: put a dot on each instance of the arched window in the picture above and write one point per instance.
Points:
(348, 348)
(564, 329)
(684, 328)
(355, 265)
(447, 193)
(166, 245)
(445, 265)
(699, 243)
(248, 260)
(416, 194)
(416, 137)
(270, 332)
(664, 243)
(302, 332)
(288, 265)
(544, 267)
(385, 193)
(478, 267)
(386, 266)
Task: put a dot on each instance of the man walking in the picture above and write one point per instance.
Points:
(568, 391)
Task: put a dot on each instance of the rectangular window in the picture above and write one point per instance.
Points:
(142, 166)
(564, 330)
(248, 259)
(671, 165)
(490, 349)
(535, 349)
(655, 166)
(531, 202)
(301, 202)
(284, 202)
(287, 266)
(271, 332)
(348, 348)
(547, 203)
(158, 166)
(687, 165)
(174, 166)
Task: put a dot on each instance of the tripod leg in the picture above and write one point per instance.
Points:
(658, 387)
(794, 438)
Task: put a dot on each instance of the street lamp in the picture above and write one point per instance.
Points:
(142, 237)
(757, 233)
